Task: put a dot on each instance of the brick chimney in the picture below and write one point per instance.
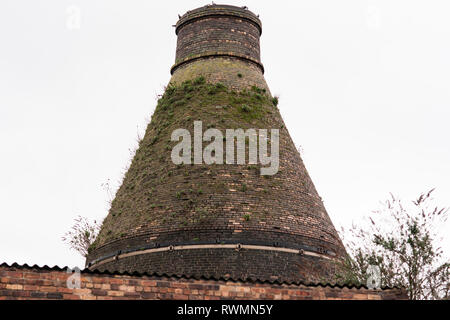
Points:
(217, 220)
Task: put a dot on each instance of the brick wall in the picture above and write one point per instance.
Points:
(224, 34)
(235, 73)
(218, 30)
(23, 282)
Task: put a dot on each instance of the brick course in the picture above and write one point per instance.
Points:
(245, 264)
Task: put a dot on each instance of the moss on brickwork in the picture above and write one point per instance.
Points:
(160, 202)
(147, 180)
(223, 70)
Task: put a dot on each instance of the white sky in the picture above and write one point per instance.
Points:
(364, 89)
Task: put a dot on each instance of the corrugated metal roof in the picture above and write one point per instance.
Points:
(187, 277)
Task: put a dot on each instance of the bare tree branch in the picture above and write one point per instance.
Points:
(82, 235)
(404, 243)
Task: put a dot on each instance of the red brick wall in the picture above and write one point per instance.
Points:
(18, 282)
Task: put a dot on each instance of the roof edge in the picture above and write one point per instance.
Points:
(190, 277)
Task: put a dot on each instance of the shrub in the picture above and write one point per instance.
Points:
(200, 80)
(245, 108)
(275, 101)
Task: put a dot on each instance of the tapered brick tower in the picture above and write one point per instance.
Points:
(217, 220)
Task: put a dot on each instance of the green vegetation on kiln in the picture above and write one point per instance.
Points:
(250, 104)
(155, 190)
(275, 101)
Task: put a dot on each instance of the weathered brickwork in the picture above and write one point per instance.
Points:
(243, 264)
(218, 30)
(161, 205)
(234, 73)
(34, 283)
(211, 35)
(222, 44)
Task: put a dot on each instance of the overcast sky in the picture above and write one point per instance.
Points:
(364, 89)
